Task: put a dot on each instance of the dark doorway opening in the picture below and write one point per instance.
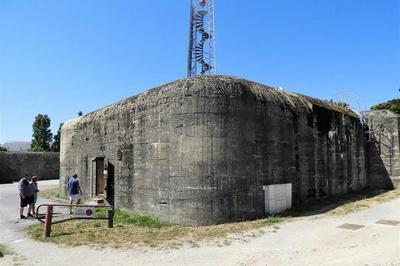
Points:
(105, 180)
(110, 184)
(100, 178)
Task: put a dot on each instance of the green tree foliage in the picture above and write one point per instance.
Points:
(392, 105)
(57, 140)
(42, 137)
(3, 149)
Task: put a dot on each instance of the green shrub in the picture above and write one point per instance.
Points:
(123, 217)
(392, 105)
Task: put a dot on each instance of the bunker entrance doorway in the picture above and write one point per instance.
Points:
(103, 179)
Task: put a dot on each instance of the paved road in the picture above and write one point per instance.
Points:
(308, 241)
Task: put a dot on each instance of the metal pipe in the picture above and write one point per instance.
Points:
(110, 216)
(47, 223)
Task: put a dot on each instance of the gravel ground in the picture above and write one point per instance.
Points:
(306, 241)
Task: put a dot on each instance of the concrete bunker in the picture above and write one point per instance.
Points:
(198, 151)
(383, 149)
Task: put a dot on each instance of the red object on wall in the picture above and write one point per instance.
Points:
(203, 2)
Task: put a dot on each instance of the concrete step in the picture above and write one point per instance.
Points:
(97, 201)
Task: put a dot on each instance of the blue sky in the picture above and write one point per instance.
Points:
(58, 57)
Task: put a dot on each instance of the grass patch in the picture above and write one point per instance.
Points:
(126, 218)
(344, 204)
(358, 202)
(387, 196)
(50, 193)
(271, 220)
(4, 250)
(133, 230)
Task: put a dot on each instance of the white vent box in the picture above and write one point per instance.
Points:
(278, 198)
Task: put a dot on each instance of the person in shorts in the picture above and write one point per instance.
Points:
(34, 190)
(74, 191)
(25, 194)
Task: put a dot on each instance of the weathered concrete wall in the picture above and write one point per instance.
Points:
(384, 149)
(199, 150)
(14, 165)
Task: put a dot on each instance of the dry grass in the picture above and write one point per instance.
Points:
(366, 201)
(133, 230)
(4, 250)
(95, 233)
(344, 204)
(53, 193)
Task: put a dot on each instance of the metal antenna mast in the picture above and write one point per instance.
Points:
(201, 58)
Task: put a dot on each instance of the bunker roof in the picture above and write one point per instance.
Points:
(218, 85)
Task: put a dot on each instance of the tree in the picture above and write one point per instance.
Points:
(57, 140)
(3, 149)
(392, 105)
(80, 113)
(42, 137)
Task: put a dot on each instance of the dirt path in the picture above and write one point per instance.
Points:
(307, 241)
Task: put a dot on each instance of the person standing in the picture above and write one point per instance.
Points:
(34, 190)
(25, 194)
(74, 191)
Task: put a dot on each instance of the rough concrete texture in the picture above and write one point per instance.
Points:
(383, 149)
(198, 151)
(14, 165)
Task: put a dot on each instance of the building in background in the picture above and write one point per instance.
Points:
(17, 146)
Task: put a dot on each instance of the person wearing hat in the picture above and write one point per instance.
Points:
(74, 191)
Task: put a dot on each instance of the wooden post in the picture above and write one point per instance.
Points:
(47, 223)
(110, 214)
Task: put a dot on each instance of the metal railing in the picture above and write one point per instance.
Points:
(82, 212)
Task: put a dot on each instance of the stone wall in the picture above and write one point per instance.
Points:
(198, 151)
(383, 149)
(14, 165)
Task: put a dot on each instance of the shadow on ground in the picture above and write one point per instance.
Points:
(323, 205)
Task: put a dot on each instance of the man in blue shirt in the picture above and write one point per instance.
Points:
(74, 191)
